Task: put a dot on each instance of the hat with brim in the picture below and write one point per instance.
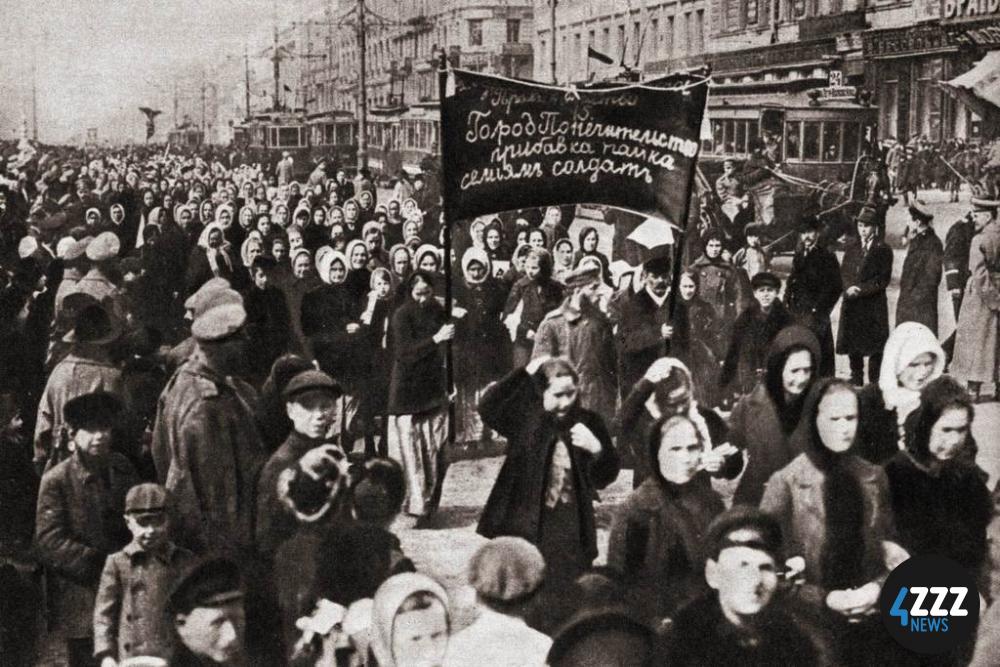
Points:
(584, 274)
(94, 325)
(658, 266)
(866, 216)
(311, 380)
(984, 198)
(212, 582)
(919, 211)
(601, 637)
(765, 279)
(809, 223)
(211, 285)
(223, 316)
(96, 410)
(146, 499)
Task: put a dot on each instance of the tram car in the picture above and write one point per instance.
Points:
(186, 137)
(268, 136)
(822, 149)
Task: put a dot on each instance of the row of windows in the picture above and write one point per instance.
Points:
(807, 141)
(404, 135)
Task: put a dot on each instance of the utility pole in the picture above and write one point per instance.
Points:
(34, 98)
(362, 92)
(202, 102)
(276, 59)
(552, 28)
(246, 78)
(175, 104)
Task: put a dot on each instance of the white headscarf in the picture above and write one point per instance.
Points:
(692, 413)
(389, 597)
(907, 342)
(214, 254)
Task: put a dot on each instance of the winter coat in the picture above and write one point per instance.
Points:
(942, 511)
(79, 523)
(585, 338)
(722, 286)
(752, 333)
(326, 312)
(977, 349)
(794, 496)
(957, 245)
(813, 289)
(539, 298)
(513, 408)
(918, 284)
(701, 635)
(864, 319)
(656, 544)
(268, 327)
(639, 336)
(199, 270)
(878, 427)
(498, 640)
(97, 285)
(481, 342)
(130, 616)
(208, 452)
(417, 383)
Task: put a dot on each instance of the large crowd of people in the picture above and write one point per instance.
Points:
(223, 390)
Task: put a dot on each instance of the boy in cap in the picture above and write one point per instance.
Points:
(506, 574)
(742, 622)
(79, 519)
(207, 612)
(129, 618)
(752, 332)
(752, 258)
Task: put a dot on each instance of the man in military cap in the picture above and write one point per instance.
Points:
(206, 446)
(79, 521)
(87, 368)
(922, 269)
(208, 615)
(813, 289)
(129, 618)
(741, 622)
(580, 332)
(193, 307)
(102, 253)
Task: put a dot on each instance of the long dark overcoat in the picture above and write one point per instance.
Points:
(864, 319)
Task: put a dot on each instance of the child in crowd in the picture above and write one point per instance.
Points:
(753, 331)
(752, 258)
(129, 618)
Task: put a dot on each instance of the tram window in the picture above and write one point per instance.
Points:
(718, 142)
(753, 131)
(810, 140)
(741, 137)
(288, 136)
(793, 132)
(852, 137)
(831, 142)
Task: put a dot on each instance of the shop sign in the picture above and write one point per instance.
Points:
(958, 10)
(909, 41)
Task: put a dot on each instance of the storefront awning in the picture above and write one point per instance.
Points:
(979, 85)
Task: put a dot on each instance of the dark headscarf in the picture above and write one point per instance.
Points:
(788, 341)
(841, 564)
(939, 395)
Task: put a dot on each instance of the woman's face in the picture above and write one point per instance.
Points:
(206, 210)
(225, 218)
(837, 419)
(564, 254)
(294, 241)
(117, 215)
(300, 269)
(337, 272)
(260, 194)
(147, 199)
(553, 216)
(185, 217)
(381, 287)
(246, 218)
(713, 248)
(688, 288)
(401, 263)
(478, 235)
(168, 202)
(493, 239)
(359, 256)
(420, 636)
(93, 217)
(536, 239)
(421, 291)
(949, 433)
(264, 225)
(428, 263)
(281, 215)
(679, 454)
(522, 237)
(214, 238)
(476, 271)
(797, 373)
(319, 217)
(351, 211)
(253, 252)
(279, 251)
(393, 208)
(295, 189)
(532, 268)
(918, 372)
(590, 242)
(365, 199)
(410, 231)
(336, 216)
(559, 397)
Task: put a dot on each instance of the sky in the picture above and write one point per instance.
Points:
(97, 61)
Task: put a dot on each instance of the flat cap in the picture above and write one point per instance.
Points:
(212, 284)
(26, 247)
(506, 569)
(765, 279)
(65, 243)
(97, 409)
(310, 380)
(146, 498)
(583, 275)
(213, 582)
(221, 316)
(743, 526)
(919, 211)
(104, 247)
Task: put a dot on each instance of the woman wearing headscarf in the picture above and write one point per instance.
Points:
(411, 234)
(237, 234)
(314, 231)
(206, 212)
(212, 258)
(374, 239)
(940, 500)
(394, 223)
(253, 247)
(428, 258)
(912, 358)
(418, 396)
(763, 422)
(657, 534)
(562, 252)
(303, 280)
(410, 623)
(380, 303)
(588, 242)
(481, 344)
(496, 246)
(531, 299)
(93, 221)
(834, 510)
(722, 286)
(366, 206)
(559, 454)
(352, 219)
(331, 325)
(185, 217)
(400, 263)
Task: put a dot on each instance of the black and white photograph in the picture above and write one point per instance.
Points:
(499, 333)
